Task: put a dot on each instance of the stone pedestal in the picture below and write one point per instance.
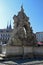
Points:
(24, 51)
(38, 51)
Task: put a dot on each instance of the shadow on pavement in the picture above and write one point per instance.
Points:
(21, 60)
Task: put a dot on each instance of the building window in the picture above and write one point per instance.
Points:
(1, 35)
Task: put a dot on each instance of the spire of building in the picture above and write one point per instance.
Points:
(22, 8)
(10, 25)
(7, 26)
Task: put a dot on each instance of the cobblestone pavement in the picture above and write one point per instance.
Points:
(28, 63)
(21, 62)
(34, 63)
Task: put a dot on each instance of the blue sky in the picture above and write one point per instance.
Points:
(32, 8)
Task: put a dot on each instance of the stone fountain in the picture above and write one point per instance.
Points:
(22, 39)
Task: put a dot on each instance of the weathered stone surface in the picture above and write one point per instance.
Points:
(22, 34)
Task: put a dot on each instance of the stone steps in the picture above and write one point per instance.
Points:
(2, 56)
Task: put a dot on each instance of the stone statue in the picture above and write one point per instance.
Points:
(22, 33)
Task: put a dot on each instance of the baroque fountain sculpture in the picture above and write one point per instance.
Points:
(23, 42)
(22, 33)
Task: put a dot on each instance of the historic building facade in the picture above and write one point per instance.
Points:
(5, 34)
(39, 36)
